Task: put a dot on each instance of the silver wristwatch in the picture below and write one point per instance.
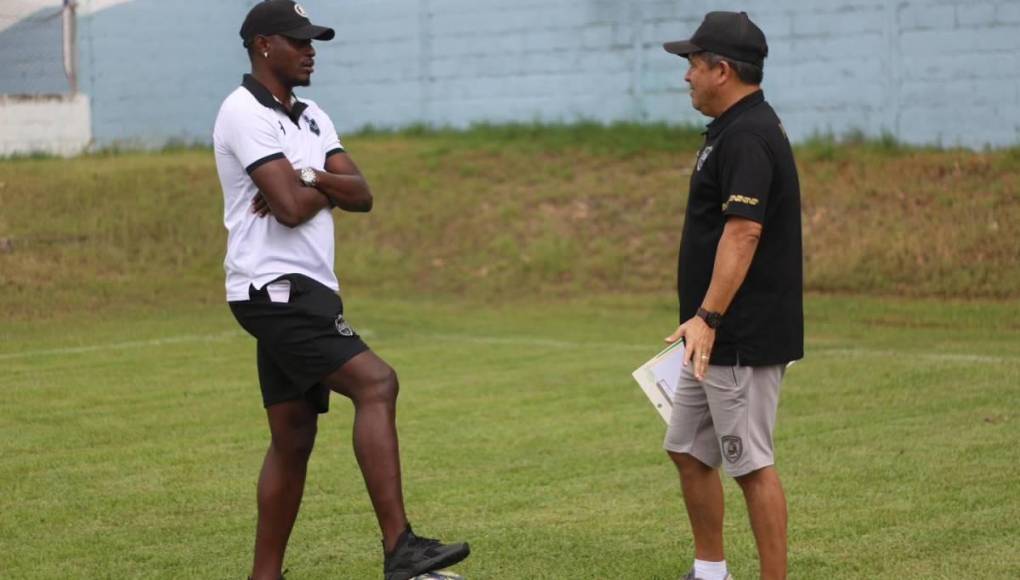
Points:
(308, 177)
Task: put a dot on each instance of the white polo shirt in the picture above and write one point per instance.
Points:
(253, 128)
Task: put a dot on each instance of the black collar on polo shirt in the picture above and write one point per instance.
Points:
(266, 98)
(736, 109)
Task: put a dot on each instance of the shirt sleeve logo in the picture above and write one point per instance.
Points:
(703, 156)
(740, 199)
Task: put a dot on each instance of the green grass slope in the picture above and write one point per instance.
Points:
(499, 212)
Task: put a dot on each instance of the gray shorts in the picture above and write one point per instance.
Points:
(730, 415)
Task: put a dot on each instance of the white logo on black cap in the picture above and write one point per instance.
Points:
(300, 10)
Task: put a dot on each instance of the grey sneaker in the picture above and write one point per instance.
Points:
(690, 576)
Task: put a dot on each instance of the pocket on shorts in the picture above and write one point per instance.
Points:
(279, 291)
(301, 285)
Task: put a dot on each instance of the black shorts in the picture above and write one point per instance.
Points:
(300, 342)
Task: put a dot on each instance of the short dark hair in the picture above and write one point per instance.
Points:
(746, 72)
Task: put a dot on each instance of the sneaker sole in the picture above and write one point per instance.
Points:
(439, 575)
(437, 563)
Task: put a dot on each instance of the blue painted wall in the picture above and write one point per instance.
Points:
(927, 71)
(32, 55)
(157, 70)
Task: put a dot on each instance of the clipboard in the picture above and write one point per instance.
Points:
(659, 376)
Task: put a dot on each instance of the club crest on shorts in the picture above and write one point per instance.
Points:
(732, 447)
(342, 327)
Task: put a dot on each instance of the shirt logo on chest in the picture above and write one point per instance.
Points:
(703, 156)
(312, 125)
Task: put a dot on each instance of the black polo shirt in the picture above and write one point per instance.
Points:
(746, 168)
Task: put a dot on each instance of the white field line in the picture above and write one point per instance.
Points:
(811, 353)
(547, 342)
(224, 336)
(963, 357)
(156, 342)
(958, 357)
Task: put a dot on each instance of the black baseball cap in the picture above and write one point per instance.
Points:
(729, 34)
(283, 17)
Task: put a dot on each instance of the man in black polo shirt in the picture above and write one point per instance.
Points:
(740, 289)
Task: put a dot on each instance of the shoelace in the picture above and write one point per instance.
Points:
(423, 542)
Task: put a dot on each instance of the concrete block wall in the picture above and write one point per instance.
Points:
(32, 53)
(52, 124)
(156, 71)
(927, 71)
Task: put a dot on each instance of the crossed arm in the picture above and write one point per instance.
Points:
(282, 193)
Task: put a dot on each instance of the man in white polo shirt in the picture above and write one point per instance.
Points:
(283, 169)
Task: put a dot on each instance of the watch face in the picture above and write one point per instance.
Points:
(308, 176)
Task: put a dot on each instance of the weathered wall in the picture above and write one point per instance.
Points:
(52, 124)
(32, 52)
(926, 71)
(157, 70)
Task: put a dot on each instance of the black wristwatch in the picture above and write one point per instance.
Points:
(712, 319)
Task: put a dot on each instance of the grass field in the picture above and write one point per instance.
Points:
(129, 444)
(514, 276)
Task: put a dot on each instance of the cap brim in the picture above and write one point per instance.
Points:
(681, 47)
(310, 32)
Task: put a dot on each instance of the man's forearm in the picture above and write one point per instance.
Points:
(307, 202)
(312, 199)
(732, 261)
(348, 192)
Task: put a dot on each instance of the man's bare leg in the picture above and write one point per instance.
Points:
(293, 426)
(766, 506)
(372, 386)
(703, 496)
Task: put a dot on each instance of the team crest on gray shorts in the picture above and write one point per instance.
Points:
(732, 448)
(342, 327)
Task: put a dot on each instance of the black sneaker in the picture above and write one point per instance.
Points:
(415, 555)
